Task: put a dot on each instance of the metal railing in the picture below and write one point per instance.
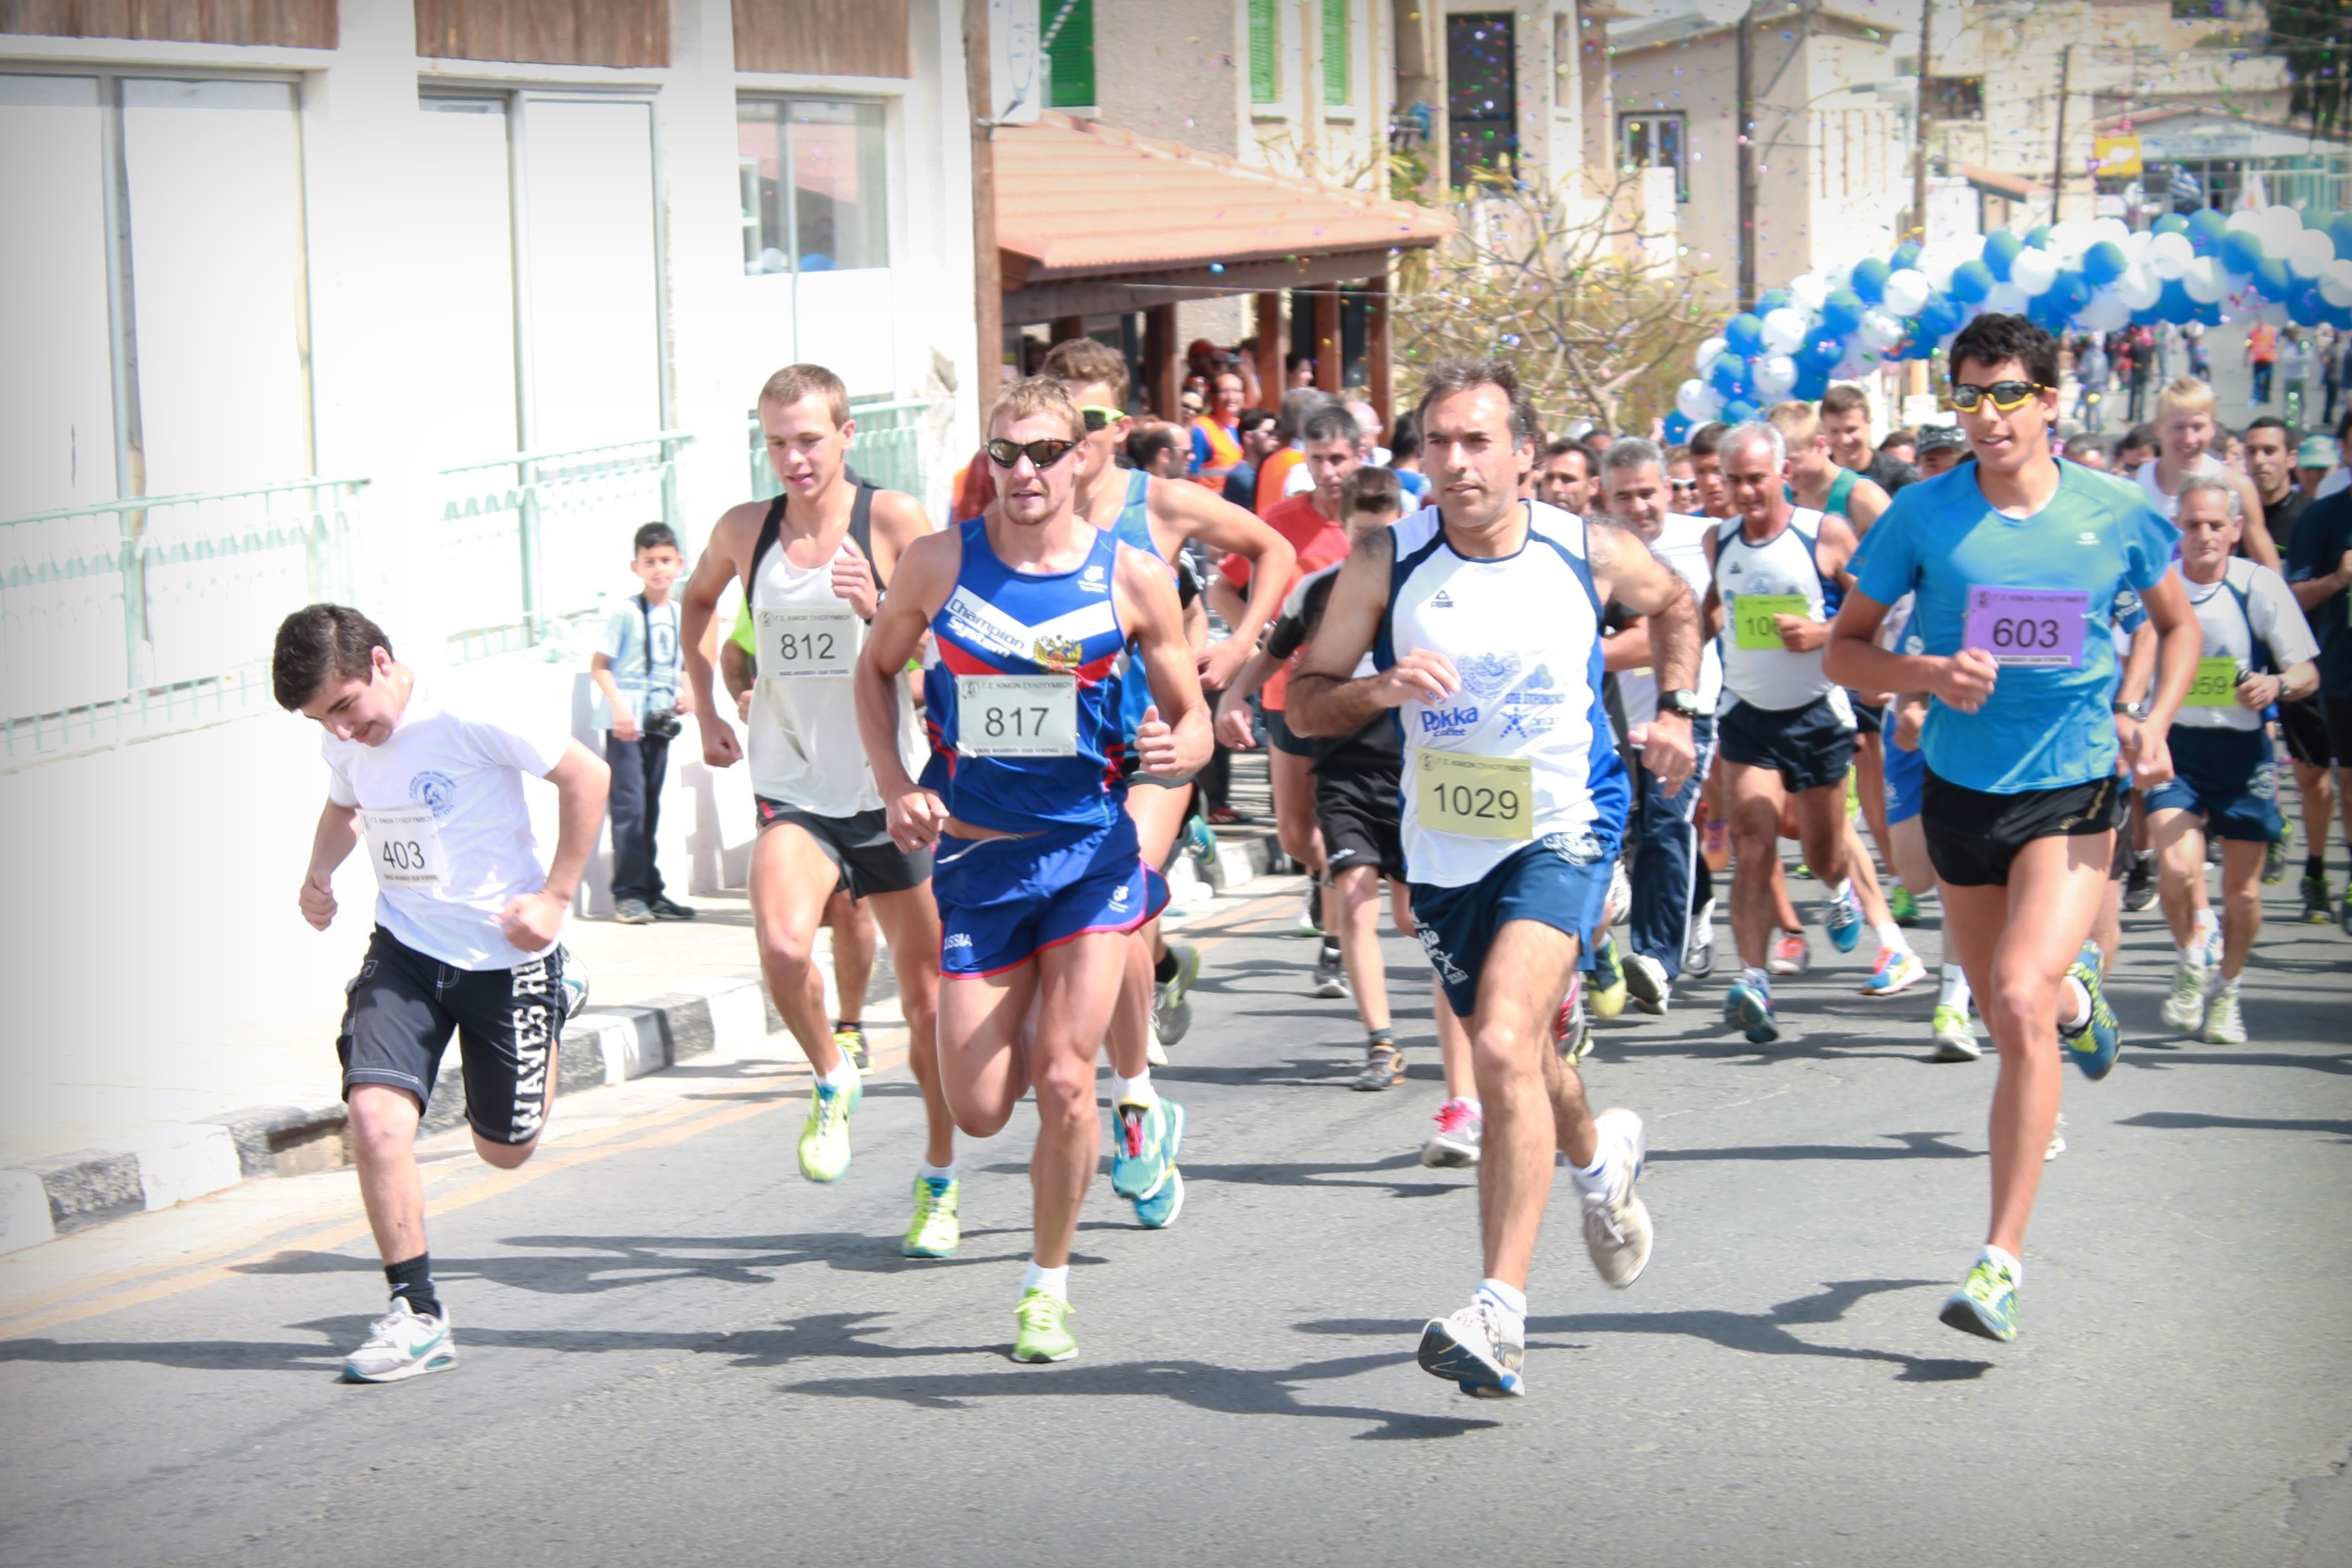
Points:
(532, 537)
(887, 449)
(157, 612)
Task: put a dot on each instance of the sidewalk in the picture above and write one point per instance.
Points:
(216, 1105)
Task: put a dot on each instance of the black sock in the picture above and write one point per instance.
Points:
(2315, 865)
(840, 1024)
(1330, 944)
(413, 1280)
(1165, 969)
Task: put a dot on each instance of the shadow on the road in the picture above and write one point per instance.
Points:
(1759, 1333)
(2193, 1120)
(2135, 1055)
(1333, 1174)
(1915, 1146)
(195, 1355)
(1220, 1390)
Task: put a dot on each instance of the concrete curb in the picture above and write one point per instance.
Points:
(64, 1193)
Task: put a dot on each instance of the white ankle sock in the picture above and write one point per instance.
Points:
(1596, 1177)
(937, 1173)
(2077, 1010)
(2007, 1260)
(1891, 936)
(1055, 1282)
(1955, 993)
(1509, 1301)
(1135, 1091)
(1758, 980)
(843, 1076)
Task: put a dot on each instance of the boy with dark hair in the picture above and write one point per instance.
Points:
(636, 667)
(464, 940)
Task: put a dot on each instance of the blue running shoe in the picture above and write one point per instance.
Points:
(1144, 1143)
(1842, 921)
(1750, 1010)
(2094, 1046)
(1159, 1211)
(1986, 1303)
(1472, 1351)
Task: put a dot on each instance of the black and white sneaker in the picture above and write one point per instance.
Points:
(1698, 951)
(1475, 1351)
(1330, 974)
(403, 1342)
(1646, 983)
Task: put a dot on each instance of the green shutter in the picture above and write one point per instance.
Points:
(1335, 51)
(1265, 39)
(1065, 31)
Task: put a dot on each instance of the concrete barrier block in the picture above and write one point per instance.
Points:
(89, 1187)
(23, 1211)
(187, 1162)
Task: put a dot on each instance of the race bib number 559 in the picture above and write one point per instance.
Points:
(405, 846)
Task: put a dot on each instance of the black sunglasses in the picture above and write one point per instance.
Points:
(2006, 395)
(1041, 453)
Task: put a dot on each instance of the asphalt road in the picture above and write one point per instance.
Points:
(676, 1350)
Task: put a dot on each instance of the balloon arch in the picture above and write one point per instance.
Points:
(2091, 276)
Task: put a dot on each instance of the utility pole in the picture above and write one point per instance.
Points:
(987, 276)
(1745, 129)
(1919, 122)
(2058, 167)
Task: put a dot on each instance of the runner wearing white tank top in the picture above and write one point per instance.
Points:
(1482, 616)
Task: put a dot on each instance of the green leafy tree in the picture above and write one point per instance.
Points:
(2314, 38)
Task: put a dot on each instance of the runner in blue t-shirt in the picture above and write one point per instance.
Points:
(2015, 561)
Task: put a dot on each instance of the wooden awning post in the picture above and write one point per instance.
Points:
(1376, 344)
(1270, 339)
(1164, 367)
(1068, 327)
(1328, 348)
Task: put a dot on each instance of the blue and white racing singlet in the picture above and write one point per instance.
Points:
(1134, 528)
(1524, 632)
(1021, 704)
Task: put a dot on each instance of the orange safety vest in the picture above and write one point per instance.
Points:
(1224, 451)
(1271, 474)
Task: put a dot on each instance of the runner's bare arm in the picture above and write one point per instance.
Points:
(1173, 740)
(1324, 699)
(926, 576)
(1863, 504)
(1627, 648)
(2253, 531)
(1233, 709)
(581, 781)
(1854, 660)
(730, 540)
(1626, 572)
(1183, 510)
(337, 835)
(2139, 669)
(2180, 642)
(857, 581)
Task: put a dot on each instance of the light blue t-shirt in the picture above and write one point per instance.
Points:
(2043, 728)
(647, 678)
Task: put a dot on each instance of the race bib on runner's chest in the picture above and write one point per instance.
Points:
(2215, 684)
(2040, 628)
(1017, 716)
(1482, 797)
(806, 642)
(1753, 618)
(405, 846)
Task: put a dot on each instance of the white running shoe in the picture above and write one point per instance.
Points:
(1897, 967)
(2225, 1024)
(1621, 895)
(1616, 1223)
(1792, 953)
(2057, 1139)
(1698, 947)
(1456, 1142)
(1646, 984)
(403, 1342)
(2184, 1009)
(1472, 1351)
(1955, 1039)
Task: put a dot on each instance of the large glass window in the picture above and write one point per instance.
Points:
(1482, 92)
(813, 185)
(1656, 141)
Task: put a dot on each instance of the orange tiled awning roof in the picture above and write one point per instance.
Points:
(1074, 199)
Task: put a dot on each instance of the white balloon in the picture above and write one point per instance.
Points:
(2205, 281)
(1904, 293)
(1967, 247)
(1809, 291)
(2105, 313)
(1935, 264)
(2137, 288)
(2033, 272)
(1698, 401)
(2006, 300)
(2069, 240)
(2135, 244)
(2168, 255)
(1784, 329)
(1774, 375)
(2280, 223)
(2245, 219)
(2308, 253)
(1838, 276)
(2336, 283)
(1879, 331)
(1710, 352)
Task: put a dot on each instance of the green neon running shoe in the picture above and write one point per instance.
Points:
(849, 1039)
(934, 1232)
(825, 1137)
(1902, 906)
(1041, 1336)
(1955, 1041)
(2094, 1046)
(1986, 1303)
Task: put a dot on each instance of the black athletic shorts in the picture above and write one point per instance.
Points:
(1279, 735)
(1973, 835)
(1809, 746)
(403, 1006)
(1355, 806)
(1867, 719)
(858, 846)
(2308, 741)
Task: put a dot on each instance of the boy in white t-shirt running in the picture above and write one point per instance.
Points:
(464, 944)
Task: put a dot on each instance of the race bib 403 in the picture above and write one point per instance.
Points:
(405, 846)
(1482, 797)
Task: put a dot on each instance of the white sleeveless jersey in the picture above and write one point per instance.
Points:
(1771, 678)
(1682, 545)
(2167, 505)
(1524, 632)
(805, 745)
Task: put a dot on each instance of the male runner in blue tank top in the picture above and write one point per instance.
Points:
(2016, 561)
(1482, 616)
(1036, 872)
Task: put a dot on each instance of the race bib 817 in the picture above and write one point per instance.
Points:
(1017, 716)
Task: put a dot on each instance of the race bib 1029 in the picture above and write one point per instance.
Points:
(1482, 797)
(1017, 716)
(405, 846)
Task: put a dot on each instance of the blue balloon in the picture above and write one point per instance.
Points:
(2147, 318)
(1772, 299)
(2240, 252)
(2038, 236)
(2170, 224)
(1812, 384)
(2209, 314)
(2001, 248)
(1738, 411)
(1678, 427)
(2067, 295)
(1841, 312)
(1728, 377)
(2103, 263)
(1906, 255)
(1821, 352)
(1971, 281)
(1743, 335)
(2272, 277)
(2339, 229)
(2206, 228)
(1869, 280)
(2340, 318)
(2304, 306)
(2175, 305)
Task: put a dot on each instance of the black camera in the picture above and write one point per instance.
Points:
(661, 724)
